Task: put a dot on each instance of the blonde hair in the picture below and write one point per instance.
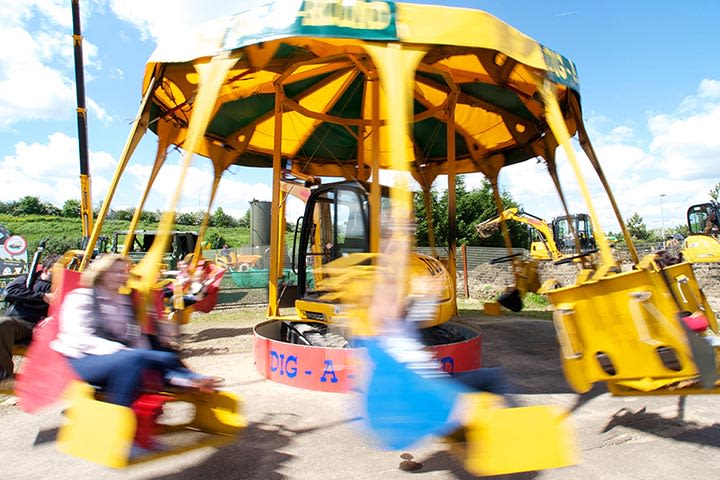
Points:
(94, 273)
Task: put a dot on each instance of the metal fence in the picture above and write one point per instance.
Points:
(249, 288)
(474, 256)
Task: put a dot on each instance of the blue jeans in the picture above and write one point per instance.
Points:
(120, 374)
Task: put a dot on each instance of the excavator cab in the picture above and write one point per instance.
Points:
(703, 218)
(336, 224)
(335, 245)
(564, 234)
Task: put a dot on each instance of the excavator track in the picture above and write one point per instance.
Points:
(314, 334)
(319, 335)
(444, 334)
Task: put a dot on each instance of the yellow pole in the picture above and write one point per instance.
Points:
(375, 162)
(212, 76)
(160, 156)
(136, 133)
(396, 65)
(560, 131)
(452, 221)
(273, 308)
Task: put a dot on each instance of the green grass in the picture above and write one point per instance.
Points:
(537, 308)
(241, 316)
(66, 233)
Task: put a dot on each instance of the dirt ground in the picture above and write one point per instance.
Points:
(299, 434)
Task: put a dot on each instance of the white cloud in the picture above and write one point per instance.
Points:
(709, 88)
(234, 195)
(51, 171)
(36, 74)
(160, 18)
(679, 161)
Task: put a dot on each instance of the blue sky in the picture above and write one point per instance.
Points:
(649, 80)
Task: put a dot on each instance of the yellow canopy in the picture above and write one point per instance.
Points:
(475, 70)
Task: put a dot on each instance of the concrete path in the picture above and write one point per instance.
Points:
(298, 434)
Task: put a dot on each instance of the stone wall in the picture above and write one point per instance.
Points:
(486, 281)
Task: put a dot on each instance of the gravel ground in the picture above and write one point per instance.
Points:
(299, 434)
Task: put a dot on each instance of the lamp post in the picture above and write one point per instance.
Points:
(662, 220)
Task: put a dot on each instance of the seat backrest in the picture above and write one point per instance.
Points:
(46, 373)
(208, 302)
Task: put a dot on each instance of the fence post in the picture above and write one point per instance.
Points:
(463, 249)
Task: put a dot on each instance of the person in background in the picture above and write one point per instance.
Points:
(99, 335)
(712, 227)
(225, 251)
(28, 305)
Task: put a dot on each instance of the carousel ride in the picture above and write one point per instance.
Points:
(361, 88)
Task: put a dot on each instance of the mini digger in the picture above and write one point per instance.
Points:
(552, 241)
(703, 243)
(334, 234)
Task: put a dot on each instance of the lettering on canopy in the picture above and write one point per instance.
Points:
(358, 15)
(362, 19)
(560, 69)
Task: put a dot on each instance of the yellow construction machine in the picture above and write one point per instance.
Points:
(337, 232)
(703, 243)
(548, 242)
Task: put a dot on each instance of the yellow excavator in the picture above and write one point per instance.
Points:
(703, 243)
(549, 242)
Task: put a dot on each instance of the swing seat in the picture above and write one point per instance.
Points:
(497, 440)
(206, 304)
(627, 330)
(109, 434)
(403, 406)
(130, 435)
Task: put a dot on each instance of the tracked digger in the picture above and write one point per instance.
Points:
(703, 242)
(552, 241)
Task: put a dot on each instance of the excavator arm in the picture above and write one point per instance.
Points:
(487, 227)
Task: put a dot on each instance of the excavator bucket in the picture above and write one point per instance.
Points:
(511, 300)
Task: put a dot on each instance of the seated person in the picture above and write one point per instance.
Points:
(194, 286)
(711, 224)
(28, 305)
(100, 337)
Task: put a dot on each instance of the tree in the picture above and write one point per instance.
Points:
(30, 205)
(221, 219)
(472, 206)
(71, 208)
(636, 227)
(124, 214)
(190, 218)
(715, 192)
(245, 220)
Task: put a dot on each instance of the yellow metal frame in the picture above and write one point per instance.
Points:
(496, 440)
(217, 414)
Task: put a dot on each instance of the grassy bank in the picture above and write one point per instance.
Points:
(66, 233)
